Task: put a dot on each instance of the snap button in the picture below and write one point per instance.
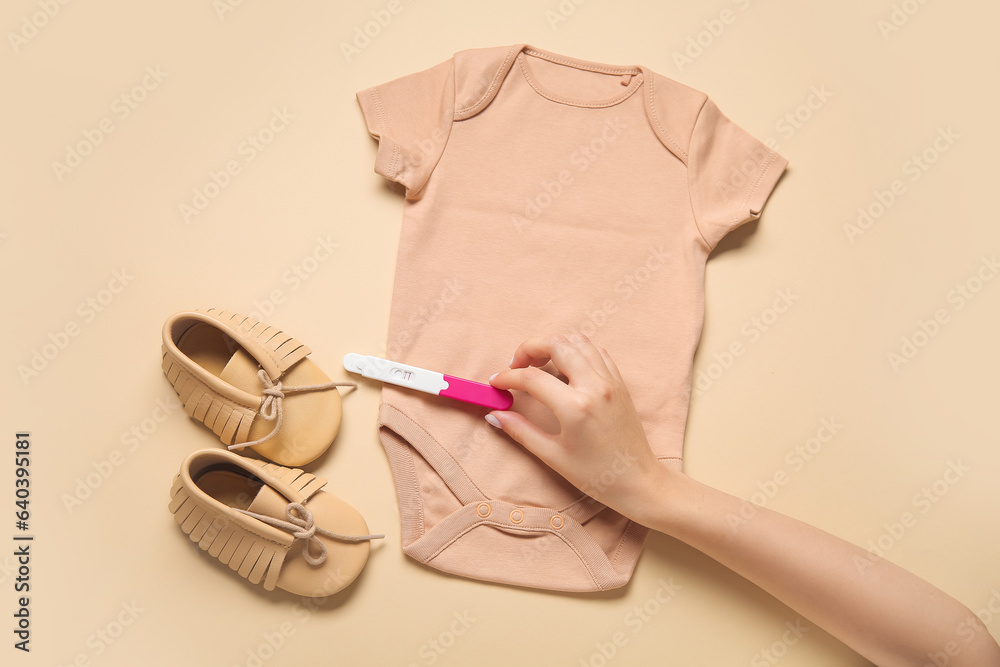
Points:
(517, 516)
(556, 522)
(483, 510)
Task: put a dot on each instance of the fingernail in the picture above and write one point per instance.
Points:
(493, 421)
(510, 364)
(493, 376)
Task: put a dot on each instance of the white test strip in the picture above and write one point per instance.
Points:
(431, 382)
(384, 370)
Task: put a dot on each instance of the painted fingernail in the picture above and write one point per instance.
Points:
(493, 421)
(493, 376)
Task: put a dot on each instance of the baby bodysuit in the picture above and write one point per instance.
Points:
(545, 194)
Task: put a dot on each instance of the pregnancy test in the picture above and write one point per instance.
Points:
(422, 379)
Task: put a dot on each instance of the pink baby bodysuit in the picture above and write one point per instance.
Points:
(545, 194)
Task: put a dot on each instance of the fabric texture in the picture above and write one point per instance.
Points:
(545, 194)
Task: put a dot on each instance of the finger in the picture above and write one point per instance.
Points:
(529, 353)
(517, 426)
(591, 353)
(611, 365)
(566, 356)
(547, 389)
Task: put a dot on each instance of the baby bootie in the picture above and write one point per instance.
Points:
(272, 524)
(251, 384)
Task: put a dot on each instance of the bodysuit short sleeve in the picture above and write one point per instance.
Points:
(411, 117)
(730, 174)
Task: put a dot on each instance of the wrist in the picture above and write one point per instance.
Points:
(658, 500)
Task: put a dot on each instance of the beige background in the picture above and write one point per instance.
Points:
(116, 555)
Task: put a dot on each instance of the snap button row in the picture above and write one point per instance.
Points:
(517, 516)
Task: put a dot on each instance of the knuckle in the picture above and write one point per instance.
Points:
(605, 391)
(558, 340)
(530, 375)
(586, 404)
(581, 405)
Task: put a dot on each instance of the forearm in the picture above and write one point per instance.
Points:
(887, 614)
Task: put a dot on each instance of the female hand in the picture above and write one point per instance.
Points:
(601, 447)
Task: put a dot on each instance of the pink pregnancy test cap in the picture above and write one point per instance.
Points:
(477, 393)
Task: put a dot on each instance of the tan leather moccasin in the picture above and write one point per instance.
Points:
(251, 384)
(270, 523)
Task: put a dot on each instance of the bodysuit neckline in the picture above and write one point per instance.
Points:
(634, 74)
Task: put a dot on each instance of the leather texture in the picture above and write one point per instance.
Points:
(214, 485)
(211, 358)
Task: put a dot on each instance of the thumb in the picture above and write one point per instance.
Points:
(517, 426)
